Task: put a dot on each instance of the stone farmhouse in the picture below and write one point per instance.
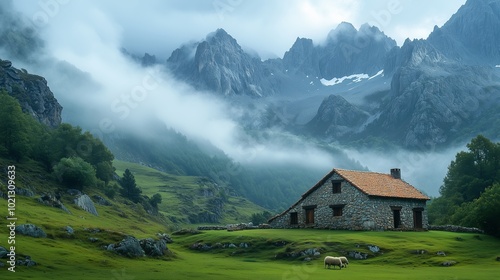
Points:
(357, 200)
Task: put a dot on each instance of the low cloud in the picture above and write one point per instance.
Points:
(105, 92)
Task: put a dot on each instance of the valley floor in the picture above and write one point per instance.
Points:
(76, 259)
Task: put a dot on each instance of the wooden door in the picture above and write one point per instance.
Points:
(310, 216)
(417, 218)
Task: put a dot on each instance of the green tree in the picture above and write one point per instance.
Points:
(129, 188)
(473, 171)
(155, 200)
(104, 171)
(70, 141)
(14, 136)
(466, 184)
(486, 211)
(260, 218)
(75, 173)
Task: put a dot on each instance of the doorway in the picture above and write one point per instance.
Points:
(417, 218)
(396, 216)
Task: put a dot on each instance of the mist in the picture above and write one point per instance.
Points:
(106, 92)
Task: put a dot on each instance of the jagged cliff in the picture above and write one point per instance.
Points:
(32, 92)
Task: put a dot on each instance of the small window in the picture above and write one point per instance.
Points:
(294, 218)
(337, 210)
(336, 186)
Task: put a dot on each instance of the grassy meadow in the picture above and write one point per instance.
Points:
(77, 258)
(82, 255)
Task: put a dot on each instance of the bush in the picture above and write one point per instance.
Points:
(75, 173)
(155, 200)
(110, 191)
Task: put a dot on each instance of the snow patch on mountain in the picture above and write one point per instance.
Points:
(355, 78)
(379, 73)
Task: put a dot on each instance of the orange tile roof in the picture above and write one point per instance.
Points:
(379, 184)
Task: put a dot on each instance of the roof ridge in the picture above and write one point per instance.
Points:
(363, 171)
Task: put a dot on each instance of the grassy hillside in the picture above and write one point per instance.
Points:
(184, 198)
(270, 254)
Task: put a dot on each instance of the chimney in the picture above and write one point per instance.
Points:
(396, 173)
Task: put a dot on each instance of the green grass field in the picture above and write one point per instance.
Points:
(75, 258)
(63, 256)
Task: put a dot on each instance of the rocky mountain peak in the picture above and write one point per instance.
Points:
(472, 34)
(349, 51)
(302, 57)
(219, 64)
(344, 30)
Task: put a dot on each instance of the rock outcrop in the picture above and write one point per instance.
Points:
(132, 247)
(336, 117)
(30, 230)
(32, 92)
(86, 203)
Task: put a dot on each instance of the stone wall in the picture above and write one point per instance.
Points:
(359, 212)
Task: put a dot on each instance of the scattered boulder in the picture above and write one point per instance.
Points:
(441, 253)
(165, 237)
(200, 247)
(49, 200)
(69, 230)
(84, 202)
(153, 248)
(357, 255)
(244, 245)
(373, 248)
(93, 239)
(280, 243)
(128, 247)
(310, 252)
(26, 262)
(30, 230)
(449, 263)
(101, 200)
(231, 245)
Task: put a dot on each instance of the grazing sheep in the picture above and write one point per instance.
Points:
(344, 260)
(329, 260)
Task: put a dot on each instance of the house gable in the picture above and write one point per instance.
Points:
(336, 201)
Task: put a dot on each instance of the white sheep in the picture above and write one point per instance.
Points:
(344, 260)
(329, 260)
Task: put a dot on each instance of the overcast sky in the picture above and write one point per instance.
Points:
(268, 27)
(88, 34)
